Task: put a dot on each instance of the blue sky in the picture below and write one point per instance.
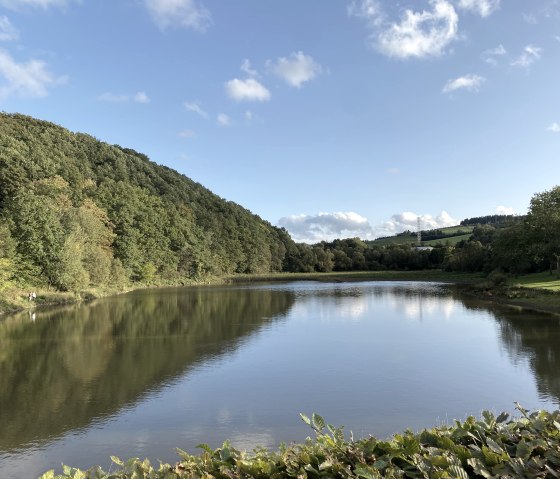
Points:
(331, 118)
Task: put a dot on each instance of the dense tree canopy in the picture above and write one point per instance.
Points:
(77, 212)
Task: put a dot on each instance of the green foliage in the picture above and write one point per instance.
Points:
(75, 205)
(490, 447)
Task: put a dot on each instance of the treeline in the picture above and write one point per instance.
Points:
(509, 244)
(357, 255)
(493, 220)
(76, 212)
(528, 244)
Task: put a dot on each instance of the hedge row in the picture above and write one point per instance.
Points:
(490, 447)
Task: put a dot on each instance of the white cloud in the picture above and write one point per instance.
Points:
(393, 171)
(330, 226)
(246, 67)
(369, 10)
(8, 32)
(409, 221)
(248, 115)
(555, 128)
(482, 7)
(141, 97)
(22, 4)
(504, 210)
(297, 69)
(195, 107)
(223, 120)
(467, 82)
(179, 13)
(249, 89)
(109, 97)
(31, 79)
(326, 226)
(529, 56)
(187, 133)
(421, 34)
(490, 55)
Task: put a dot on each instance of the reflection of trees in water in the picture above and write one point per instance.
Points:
(77, 364)
(532, 337)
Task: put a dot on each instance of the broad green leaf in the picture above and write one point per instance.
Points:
(48, 475)
(494, 446)
(458, 472)
(318, 421)
(305, 419)
(502, 417)
(117, 461)
(366, 472)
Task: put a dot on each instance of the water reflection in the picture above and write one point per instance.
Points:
(532, 338)
(63, 369)
(143, 373)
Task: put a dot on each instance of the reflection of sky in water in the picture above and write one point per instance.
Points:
(375, 357)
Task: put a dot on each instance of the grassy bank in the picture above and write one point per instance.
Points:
(525, 447)
(536, 291)
(347, 276)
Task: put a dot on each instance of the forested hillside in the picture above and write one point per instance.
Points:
(76, 212)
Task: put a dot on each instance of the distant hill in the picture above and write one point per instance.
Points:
(451, 235)
(77, 212)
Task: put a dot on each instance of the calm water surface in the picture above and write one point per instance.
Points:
(143, 373)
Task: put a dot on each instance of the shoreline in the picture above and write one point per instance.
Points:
(471, 284)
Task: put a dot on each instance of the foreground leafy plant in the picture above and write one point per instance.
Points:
(490, 447)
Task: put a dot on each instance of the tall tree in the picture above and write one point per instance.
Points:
(543, 226)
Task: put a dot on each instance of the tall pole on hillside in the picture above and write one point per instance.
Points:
(418, 232)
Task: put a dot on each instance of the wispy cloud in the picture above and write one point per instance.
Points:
(24, 4)
(179, 13)
(330, 226)
(139, 97)
(8, 32)
(530, 18)
(467, 82)
(393, 171)
(421, 34)
(490, 55)
(247, 90)
(246, 68)
(187, 133)
(368, 10)
(554, 128)
(31, 79)
(529, 56)
(196, 108)
(223, 120)
(483, 7)
(297, 69)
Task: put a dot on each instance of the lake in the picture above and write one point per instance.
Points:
(140, 374)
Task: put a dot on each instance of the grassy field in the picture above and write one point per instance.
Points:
(544, 281)
(451, 231)
(453, 240)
